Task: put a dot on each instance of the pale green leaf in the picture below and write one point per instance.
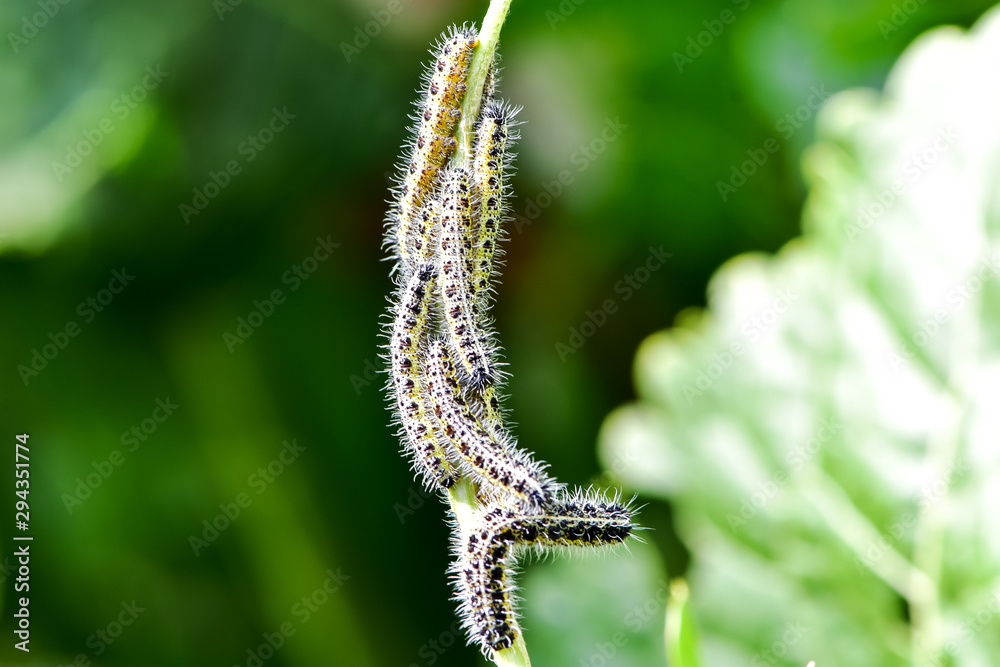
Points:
(827, 429)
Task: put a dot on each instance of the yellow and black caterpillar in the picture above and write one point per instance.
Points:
(443, 231)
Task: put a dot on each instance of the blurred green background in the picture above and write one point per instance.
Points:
(117, 116)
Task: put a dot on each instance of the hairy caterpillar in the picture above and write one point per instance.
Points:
(470, 343)
(432, 142)
(485, 557)
(488, 162)
(408, 383)
(443, 228)
(425, 237)
(488, 409)
(497, 464)
(494, 134)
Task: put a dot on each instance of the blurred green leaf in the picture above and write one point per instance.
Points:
(592, 611)
(827, 429)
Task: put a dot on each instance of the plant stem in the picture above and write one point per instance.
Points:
(482, 60)
(462, 497)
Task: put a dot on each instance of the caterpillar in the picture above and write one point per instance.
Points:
(432, 140)
(494, 134)
(497, 464)
(409, 328)
(443, 229)
(470, 343)
(488, 409)
(425, 236)
(485, 554)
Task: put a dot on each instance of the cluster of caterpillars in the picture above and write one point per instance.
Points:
(442, 230)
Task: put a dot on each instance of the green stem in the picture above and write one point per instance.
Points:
(462, 497)
(482, 60)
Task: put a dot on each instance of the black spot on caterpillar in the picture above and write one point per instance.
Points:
(485, 555)
(496, 464)
(407, 383)
(432, 143)
(494, 136)
(471, 345)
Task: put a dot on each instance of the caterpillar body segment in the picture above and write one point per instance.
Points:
(485, 555)
(408, 385)
(501, 469)
(432, 138)
(486, 403)
(494, 138)
(471, 344)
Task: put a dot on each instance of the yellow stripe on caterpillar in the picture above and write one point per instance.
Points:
(438, 115)
(471, 345)
(494, 133)
(408, 385)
